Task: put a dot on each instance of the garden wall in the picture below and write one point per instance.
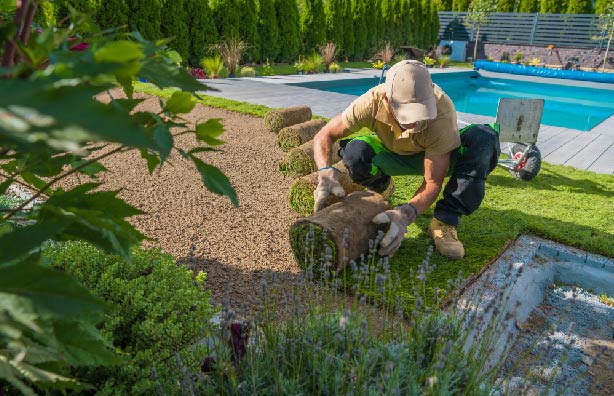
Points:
(587, 58)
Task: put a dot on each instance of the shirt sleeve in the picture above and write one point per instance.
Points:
(361, 113)
(442, 134)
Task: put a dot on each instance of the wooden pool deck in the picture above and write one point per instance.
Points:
(592, 150)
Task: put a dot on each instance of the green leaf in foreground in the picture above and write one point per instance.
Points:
(54, 291)
(120, 51)
(209, 131)
(215, 180)
(181, 102)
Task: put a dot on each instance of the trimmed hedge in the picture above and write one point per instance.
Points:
(159, 308)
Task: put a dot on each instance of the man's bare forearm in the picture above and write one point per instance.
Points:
(324, 140)
(425, 196)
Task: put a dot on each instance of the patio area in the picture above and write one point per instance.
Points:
(592, 150)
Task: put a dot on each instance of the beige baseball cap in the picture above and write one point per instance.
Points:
(409, 89)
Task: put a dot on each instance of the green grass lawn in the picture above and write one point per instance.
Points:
(567, 205)
(283, 69)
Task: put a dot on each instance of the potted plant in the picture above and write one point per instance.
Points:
(518, 57)
(505, 57)
(299, 66)
(335, 68)
(428, 61)
(444, 61)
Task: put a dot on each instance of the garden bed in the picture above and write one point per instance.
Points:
(556, 327)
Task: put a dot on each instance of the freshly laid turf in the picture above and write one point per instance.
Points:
(567, 205)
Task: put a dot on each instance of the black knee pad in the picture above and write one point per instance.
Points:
(357, 157)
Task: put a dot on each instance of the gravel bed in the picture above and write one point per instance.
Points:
(566, 347)
(237, 247)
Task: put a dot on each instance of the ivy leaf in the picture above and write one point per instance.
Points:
(215, 180)
(91, 169)
(81, 345)
(209, 131)
(119, 51)
(164, 139)
(55, 292)
(164, 75)
(20, 241)
(152, 160)
(181, 102)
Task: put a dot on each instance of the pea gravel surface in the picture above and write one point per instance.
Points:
(236, 247)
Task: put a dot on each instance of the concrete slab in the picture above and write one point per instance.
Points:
(587, 155)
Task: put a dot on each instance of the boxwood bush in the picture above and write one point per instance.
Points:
(159, 308)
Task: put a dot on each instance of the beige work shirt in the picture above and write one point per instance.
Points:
(438, 136)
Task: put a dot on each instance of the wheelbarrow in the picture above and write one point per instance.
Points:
(519, 121)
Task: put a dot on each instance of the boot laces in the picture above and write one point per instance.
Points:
(448, 231)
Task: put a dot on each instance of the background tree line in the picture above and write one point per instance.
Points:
(277, 30)
(542, 6)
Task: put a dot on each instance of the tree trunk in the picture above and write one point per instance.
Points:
(475, 46)
(607, 49)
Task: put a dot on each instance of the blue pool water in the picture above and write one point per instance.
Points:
(566, 106)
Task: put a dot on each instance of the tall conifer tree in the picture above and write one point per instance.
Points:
(550, 7)
(146, 18)
(289, 30)
(226, 14)
(248, 29)
(580, 7)
(269, 31)
(335, 23)
(506, 5)
(360, 31)
(112, 13)
(174, 25)
(203, 32)
(528, 6)
(460, 5)
(313, 25)
(348, 29)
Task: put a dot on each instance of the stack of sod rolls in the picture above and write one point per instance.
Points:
(276, 120)
(301, 193)
(300, 162)
(338, 233)
(295, 135)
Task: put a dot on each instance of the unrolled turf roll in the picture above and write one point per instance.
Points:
(276, 120)
(301, 193)
(311, 236)
(295, 135)
(300, 162)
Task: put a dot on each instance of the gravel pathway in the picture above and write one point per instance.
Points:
(235, 246)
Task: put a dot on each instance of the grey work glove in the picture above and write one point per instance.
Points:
(399, 219)
(328, 182)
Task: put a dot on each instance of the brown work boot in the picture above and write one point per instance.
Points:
(446, 240)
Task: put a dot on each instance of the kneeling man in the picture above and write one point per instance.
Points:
(414, 132)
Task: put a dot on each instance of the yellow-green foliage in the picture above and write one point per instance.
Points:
(158, 308)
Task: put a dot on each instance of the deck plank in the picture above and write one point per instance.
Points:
(584, 158)
(571, 148)
(557, 141)
(605, 162)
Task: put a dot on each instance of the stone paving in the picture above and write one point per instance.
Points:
(592, 150)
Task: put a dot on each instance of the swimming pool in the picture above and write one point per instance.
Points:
(566, 106)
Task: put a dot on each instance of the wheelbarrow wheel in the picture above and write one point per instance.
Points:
(530, 166)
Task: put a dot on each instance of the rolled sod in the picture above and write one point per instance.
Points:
(301, 193)
(295, 135)
(276, 120)
(311, 236)
(300, 162)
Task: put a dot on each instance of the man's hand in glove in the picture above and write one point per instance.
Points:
(399, 218)
(328, 182)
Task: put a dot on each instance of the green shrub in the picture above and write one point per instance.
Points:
(112, 13)
(214, 66)
(335, 68)
(248, 72)
(203, 32)
(267, 70)
(174, 26)
(313, 63)
(158, 308)
(269, 30)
